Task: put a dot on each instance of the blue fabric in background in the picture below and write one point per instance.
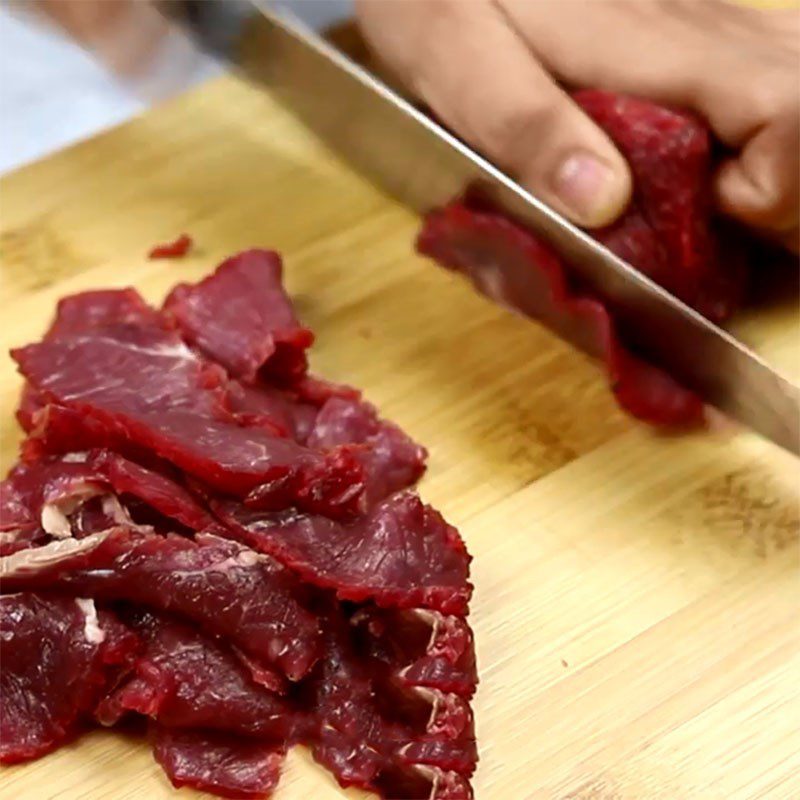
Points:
(53, 94)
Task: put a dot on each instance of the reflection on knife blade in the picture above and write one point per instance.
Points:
(418, 161)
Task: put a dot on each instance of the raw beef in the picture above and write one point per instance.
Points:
(421, 648)
(175, 408)
(83, 312)
(275, 409)
(512, 266)
(225, 588)
(407, 746)
(58, 656)
(391, 460)
(667, 232)
(47, 491)
(250, 536)
(185, 679)
(218, 762)
(402, 554)
(242, 318)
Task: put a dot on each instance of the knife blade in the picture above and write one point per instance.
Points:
(415, 159)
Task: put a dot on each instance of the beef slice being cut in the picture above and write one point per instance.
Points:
(242, 318)
(223, 587)
(215, 762)
(139, 388)
(668, 232)
(183, 678)
(401, 554)
(58, 655)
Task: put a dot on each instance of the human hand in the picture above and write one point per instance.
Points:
(492, 71)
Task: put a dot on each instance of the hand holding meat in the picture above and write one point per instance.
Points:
(495, 72)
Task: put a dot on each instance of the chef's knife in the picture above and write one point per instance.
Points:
(418, 161)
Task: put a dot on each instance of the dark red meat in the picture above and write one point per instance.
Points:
(512, 266)
(185, 679)
(79, 313)
(62, 483)
(225, 588)
(420, 648)
(143, 387)
(218, 762)
(274, 409)
(343, 627)
(369, 738)
(402, 554)
(668, 232)
(242, 317)
(175, 249)
(58, 655)
(391, 460)
(31, 403)
(86, 311)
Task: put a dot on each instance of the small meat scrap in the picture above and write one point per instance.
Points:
(668, 232)
(177, 248)
(209, 538)
(59, 654)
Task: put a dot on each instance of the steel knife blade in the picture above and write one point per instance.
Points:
(415, 159)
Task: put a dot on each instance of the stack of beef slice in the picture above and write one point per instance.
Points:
(203, 537)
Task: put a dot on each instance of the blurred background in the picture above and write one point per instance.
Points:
(52, 93)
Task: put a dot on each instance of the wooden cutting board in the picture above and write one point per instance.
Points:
(636, 594)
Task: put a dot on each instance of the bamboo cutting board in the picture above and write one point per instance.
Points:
(636, 594)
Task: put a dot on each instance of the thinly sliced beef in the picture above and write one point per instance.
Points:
(510, 265)
(276, 409)
(227, 589)
(85, 311)
(31, 403)
(391, 460)
(47, 491)
(667, 232)
(265, 574)
(401, 554)
(242, 317)
(174, 407)
(371, 739)
(185, 679)
(58, 655)
(421, 648)
(216, 762)
(79, 313)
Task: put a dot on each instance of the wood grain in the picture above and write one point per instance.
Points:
(636, 594)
